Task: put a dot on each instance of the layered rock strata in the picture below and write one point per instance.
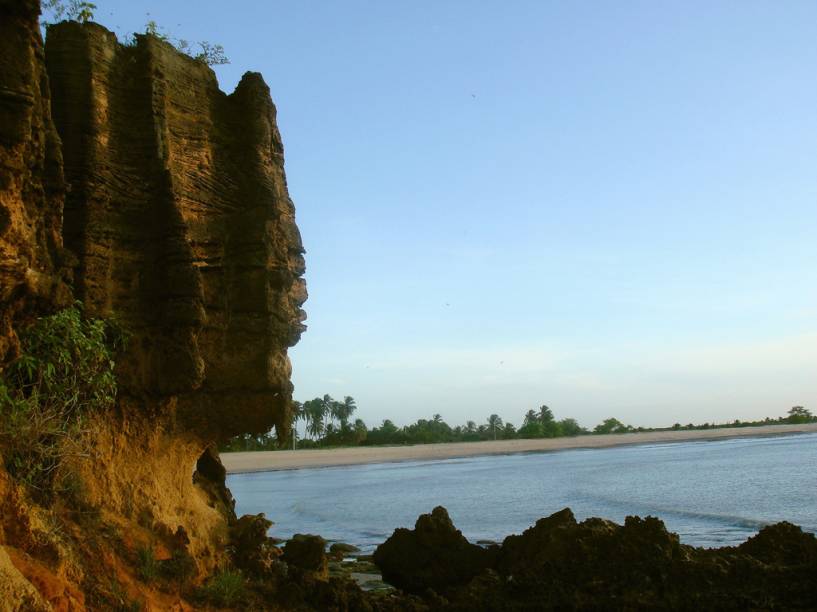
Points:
(130, 182)
(32, 261)
(177, 209)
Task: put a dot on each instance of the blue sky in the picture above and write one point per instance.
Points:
(607, 207)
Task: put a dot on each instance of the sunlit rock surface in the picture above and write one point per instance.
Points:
(179, 215)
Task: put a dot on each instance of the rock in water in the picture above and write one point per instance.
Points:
(435, 555)
(307, 552)
(561, 564)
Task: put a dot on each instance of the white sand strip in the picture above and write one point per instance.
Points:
(265, 461)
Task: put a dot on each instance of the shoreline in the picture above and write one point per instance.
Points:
(273, 461)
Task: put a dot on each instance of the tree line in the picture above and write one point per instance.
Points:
(329, 422)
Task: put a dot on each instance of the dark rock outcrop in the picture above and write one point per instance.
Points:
(560, 563)
(338, 550)
(252, 550)
(307, 552)
(434, 555)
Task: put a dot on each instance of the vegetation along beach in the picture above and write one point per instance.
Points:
(260, 461)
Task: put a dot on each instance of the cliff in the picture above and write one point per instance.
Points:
(178, 212)
(32, 261)
(130, 182)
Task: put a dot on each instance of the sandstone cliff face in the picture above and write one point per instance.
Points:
(179, 215)
(129, 181)
(31, 182)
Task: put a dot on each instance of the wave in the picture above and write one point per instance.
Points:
(641, 509)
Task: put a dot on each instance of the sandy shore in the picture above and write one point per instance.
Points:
(265, 461)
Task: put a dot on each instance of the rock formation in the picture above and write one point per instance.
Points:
(32, 261)
(178, 212)
(434, 555)
(130, 182)
(561, 564)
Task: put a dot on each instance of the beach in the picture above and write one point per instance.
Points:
(264, 461)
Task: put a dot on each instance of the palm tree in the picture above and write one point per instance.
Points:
(360, 431)
(545, 415)
(330, 408)
(531, 417)
(315, 417)
(345, 410)
(494, 422)
(297, 413)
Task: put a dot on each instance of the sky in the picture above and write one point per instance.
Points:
(606, 207)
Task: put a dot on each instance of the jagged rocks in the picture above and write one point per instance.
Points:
(338, 550)
(782, 543)
(434, 555)
(560, 563)
(307, 552)
(253, 551)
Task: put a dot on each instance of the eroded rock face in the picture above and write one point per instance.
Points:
(129, 181)
(179, 215)
(32, 274)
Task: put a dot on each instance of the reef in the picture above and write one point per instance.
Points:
(562, 564)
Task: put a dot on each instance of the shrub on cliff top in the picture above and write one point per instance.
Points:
(82, 11)
(64, 372)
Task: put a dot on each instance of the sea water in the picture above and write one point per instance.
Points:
(712, 493)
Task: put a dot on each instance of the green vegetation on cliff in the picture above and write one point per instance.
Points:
(63, 374)
(209, 53)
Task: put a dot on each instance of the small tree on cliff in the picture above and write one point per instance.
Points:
(72, 10)
(203, 51)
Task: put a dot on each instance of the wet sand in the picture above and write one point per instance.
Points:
(266, 461)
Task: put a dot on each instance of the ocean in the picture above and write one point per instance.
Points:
(712, 493)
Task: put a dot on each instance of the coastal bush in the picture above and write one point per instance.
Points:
(179, 567)
(64, 373)
(226, 588)
(146, 564)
